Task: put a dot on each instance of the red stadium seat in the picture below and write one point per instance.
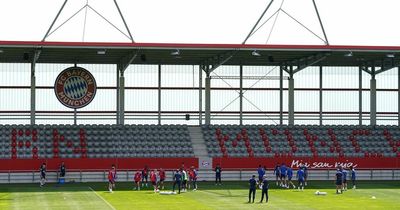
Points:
(35, 156)
(27, 144)
(398, 154)
(34, 138)
(14, 138)
(55, 143)
(34, 132)
(305, 131)
(14, 144)
(56, 150)
(77, 150)
(247, 143)
(14, 150)
(34, 150)
(226, 138)
(286, 132)
(69, 143)
(330, 131)
(27, 132)
(14, 132)
(20, 143)
(218, 131)
(234, 143)
(221, 143)
(83, 144)
(268, 149)
(14, 156)
(62, 138)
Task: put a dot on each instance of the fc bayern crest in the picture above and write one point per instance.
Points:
(75, 87)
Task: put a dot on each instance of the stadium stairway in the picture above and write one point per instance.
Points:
(198, 143)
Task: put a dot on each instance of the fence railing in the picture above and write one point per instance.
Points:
(204, 175)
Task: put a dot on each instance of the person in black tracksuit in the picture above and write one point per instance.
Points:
(265, 186)
(218, 171)
(62, 170)
(177, 181)
(253, 186)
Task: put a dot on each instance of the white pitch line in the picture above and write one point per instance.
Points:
(112, 207)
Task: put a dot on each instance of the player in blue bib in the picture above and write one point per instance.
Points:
(283, 173)
(339, 181)
(300, 179)
(344, 172)
(353, 176)
(304, 167)
(289, 178)
(277, 172)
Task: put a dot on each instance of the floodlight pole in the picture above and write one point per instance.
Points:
(258, 21)
(117, 98)
(320, 22)
(54, 21)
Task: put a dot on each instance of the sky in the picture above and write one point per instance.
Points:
(347, 22)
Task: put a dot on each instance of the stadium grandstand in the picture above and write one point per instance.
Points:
(172, 105)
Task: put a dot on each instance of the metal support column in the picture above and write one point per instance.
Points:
(241, 95)
(208, 99)
(159, 94)
(117, 98)
(200, 96)
(281, 95)
(33, 92)
(398, 95)
(360, 120)
(320, 95)
(122, 99)
(291, 97)
(373, 97)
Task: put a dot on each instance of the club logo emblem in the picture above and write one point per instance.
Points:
(75, 87)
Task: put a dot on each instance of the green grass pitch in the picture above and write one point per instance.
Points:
(231, 195)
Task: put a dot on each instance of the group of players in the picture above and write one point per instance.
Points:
(341, 179)
(284, 175)
(183, 179)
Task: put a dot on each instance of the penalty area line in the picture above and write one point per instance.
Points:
(112, 207)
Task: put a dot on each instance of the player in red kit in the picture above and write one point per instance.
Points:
(111, 178)
(153, 179)
(161, 173)
(137, 179)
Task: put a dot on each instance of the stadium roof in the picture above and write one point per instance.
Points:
(197, 54)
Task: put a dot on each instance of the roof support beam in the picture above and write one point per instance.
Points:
(387, 65)
(258, 21)
(54, 21)
(127, 60)
(215, 62)
(309, 61)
